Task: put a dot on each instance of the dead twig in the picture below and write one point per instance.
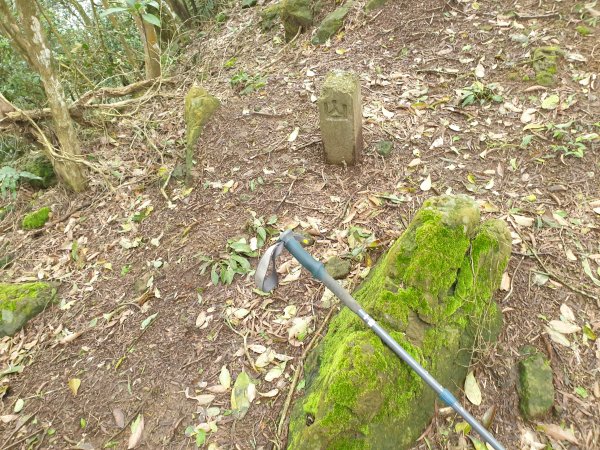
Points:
(552, 274)
(512, 281)
(536, 16)
(289, 191)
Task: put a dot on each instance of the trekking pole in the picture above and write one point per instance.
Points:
(266, 282)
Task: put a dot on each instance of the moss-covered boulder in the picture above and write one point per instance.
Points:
(199, 108)
(268, 16)
(372, 5)
(20, 302)
(295, 15)
(331, 24)
(39, 165)
(535, 387)
(432, 292)
(545, 63)
(36, 219)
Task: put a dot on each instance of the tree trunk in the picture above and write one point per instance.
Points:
(181, 11)
(84, 16)
(151, 47)
(27, 36)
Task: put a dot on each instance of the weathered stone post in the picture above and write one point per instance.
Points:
(432, 292)
(340, 118)
(199, 107)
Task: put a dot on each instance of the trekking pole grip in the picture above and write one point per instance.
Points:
(316, 268)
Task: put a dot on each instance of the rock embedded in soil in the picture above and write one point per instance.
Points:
(535, 387)
(384, 148)
(340, 118)
(39, 165)
(331, 24)
(296, 15)
(21, 302)
(545, 64)
(432, 292)
(374, 4)
(337, 267)
(36, 219)
(199, 108)
(268, 16)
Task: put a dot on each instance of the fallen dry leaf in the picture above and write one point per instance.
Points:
(426, 184)
(557, 433)
(137, 428)
(74, 384)
(119, 417)
(472, 390)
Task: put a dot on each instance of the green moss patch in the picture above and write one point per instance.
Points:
(199, 108)
(432, 292)
(40, 166)
(268, 16)
(36, 219)
(20, 302)
(545, 63)
(331, 24)
(583, 30)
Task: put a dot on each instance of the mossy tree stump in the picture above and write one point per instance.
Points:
(432, 292)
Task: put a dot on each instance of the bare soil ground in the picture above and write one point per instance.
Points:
(411, 58)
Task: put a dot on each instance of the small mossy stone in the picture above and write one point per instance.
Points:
(331, 24)
(535, 387)
(384, 148)
(545, 64)
(374, 4)
(338, 268)
(21, 302)
(40, 166)
(249, 3)
(36, 219)
(295, 15)
(178, 172)
(268, 16)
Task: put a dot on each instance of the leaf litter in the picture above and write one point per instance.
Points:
(484, 135)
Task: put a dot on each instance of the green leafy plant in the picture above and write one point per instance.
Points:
(238, 250)
(230, 62)
(573, 138)
(141, 7)
(479, 92)
(245, 83)
(360, 240)
(261, 227)
(9, 179)
(196, 433)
